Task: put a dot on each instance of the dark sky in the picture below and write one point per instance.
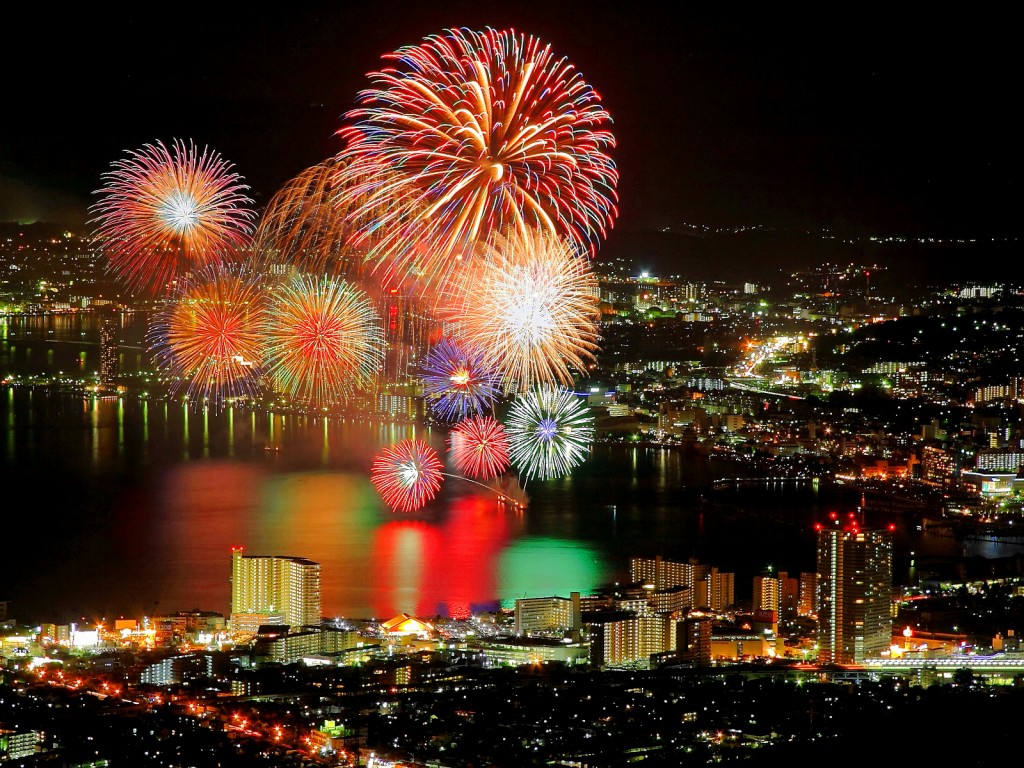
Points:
(854, 118)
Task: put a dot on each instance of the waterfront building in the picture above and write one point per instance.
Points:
(547, 615)
(854, 593)
(275, 585)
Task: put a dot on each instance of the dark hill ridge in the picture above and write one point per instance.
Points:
(769, 256)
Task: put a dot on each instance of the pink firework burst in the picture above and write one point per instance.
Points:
(407, 474)
(163, 211)
(479, 447)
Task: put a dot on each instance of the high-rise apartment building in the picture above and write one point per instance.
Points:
(767, 594)
(854, 593)
(708, 587)
(288, 587)
(109, 330)
(547, 615)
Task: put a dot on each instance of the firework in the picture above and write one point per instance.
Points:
(163, 211)
(407, 474)
(530, 302)
(306, 226)
(456, 380)
(481, 132)
(549, 432)
(323, 339)
(207, 335)
(479, 447)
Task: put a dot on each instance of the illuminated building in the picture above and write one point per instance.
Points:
(278, 646)
(615, 639)
(714, 590)
(708, 587)
(15, 745)
(693, 640)
(663, 574)
(547, 615)
(854, 593)
(807, 594)
(671, 600)
(936, 465)
(532, 650)
(287, 586)
(988, 460)
(108, 352)
(767, 594)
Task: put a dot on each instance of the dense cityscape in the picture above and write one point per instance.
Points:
(820, 377)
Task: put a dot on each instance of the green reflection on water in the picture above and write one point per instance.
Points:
(542, 567)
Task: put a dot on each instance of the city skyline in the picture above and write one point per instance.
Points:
(756, 120)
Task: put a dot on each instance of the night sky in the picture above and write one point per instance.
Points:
(858, 121)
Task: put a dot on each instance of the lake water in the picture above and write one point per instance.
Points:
(127, 506)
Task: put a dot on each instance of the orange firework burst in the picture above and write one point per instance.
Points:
(164, 211)
(307, 226)
(529, 303)
(481, 132)
(207, 336)
(324, 340)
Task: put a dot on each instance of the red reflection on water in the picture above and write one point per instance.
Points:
(446, 569)
(372, 565)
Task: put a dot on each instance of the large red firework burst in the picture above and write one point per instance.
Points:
(324, 340)
(407, 474)
(481, 132)
(207, 336)
(163, 211)
(479, 447)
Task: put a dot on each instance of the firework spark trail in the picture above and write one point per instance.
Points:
(484, 132)
(549, 432)
(207, 336)
(480, 447)
(407, 474)
(530, 303)
(324, 340)
(163, 211)
(457, 382)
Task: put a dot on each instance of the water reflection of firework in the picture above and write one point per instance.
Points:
(549, 431)
(163, 211)
(324, 340)
(207, 337)
(407, 474)
(479, 447)
(489, 131)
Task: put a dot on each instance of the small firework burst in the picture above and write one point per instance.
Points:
(479, 447)
(456, 380)
(549, 432)
(407, 474)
